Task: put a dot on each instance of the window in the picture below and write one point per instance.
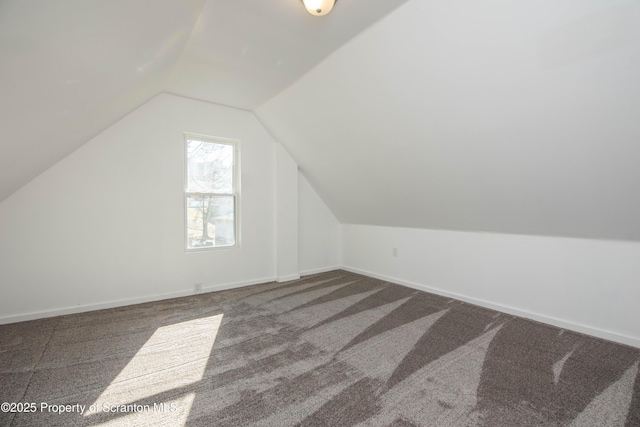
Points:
(211, 194)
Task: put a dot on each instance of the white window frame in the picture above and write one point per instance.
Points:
(235, 192)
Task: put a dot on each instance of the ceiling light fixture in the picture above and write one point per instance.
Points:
(319, 7)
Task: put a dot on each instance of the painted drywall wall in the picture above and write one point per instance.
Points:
(498, 116)
(105, 225)
(319, 231)
(586, 285)
(286, 216)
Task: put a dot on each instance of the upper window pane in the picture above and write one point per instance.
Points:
(209, 167)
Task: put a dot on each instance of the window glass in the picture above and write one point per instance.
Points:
(211, 193)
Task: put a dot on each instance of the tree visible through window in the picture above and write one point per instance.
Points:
(211, 192)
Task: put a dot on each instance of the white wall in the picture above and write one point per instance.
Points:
(319, 231)
(104, 226)
(591, 286)
(286, 216)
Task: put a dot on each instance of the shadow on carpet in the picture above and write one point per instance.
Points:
(332, 349)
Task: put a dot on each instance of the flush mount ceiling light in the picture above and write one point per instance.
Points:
(319, 7)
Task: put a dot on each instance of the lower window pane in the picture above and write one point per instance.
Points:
(210, 221)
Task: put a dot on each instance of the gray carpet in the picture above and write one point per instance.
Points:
(332, 349)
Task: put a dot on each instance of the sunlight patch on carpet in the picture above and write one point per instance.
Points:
(174, 357)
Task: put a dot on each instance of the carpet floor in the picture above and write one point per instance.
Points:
(331, 349)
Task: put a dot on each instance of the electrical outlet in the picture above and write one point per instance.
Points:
(197, 288)
(394, 252)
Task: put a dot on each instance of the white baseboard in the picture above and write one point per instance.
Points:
(126, 301)
(235, 285)
(589, 330)
(320, 270)
(576, 327)
(287, 278)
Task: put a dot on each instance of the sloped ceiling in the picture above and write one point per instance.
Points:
(518, 117)
(71, 68)
(243, 52)
(500, 116)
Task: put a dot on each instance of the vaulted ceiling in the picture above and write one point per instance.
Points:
(71, 68)
(518, 117)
